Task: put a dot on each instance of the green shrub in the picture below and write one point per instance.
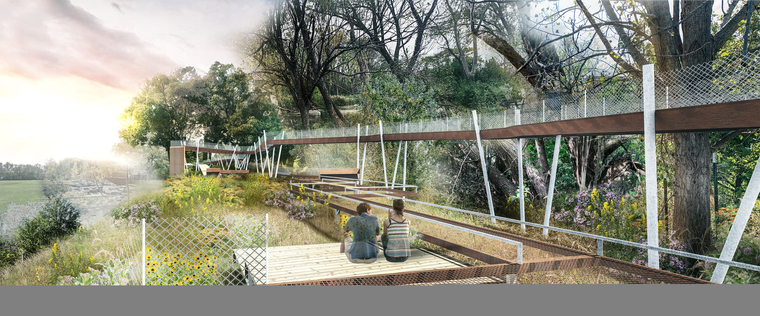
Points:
(58, 218)
(9, 253)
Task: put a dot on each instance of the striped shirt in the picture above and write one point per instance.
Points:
(398, 239)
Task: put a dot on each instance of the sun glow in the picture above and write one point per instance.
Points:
(57, 118)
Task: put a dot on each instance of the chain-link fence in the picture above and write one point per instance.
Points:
(228, 250)
(725, 80)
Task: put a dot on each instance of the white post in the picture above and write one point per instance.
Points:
(358, 139)
(584, 104)
(266, 247)
(604, 106)
(277, 169)
(543, 111)
(483, 164)
(518, 121)
(552, 180)
(382, 147)
(197, 154)
(740, 223)
(406, 144)
(364, 156)
(398, 155)
(143, 252)
(267, 150)
(650, 153)
(667, 95)
(256, 156)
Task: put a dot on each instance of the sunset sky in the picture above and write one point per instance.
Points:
(69, 68)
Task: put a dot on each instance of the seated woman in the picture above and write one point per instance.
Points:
(365, 227)
(396, 234)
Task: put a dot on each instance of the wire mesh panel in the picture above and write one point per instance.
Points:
(128, 255)
(228, 250)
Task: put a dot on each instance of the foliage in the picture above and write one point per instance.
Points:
(9, 171)
(389, 100)
(490, 87)
(9, 253)
(258, 187)
(668, 262)
(134, 213)
(232, 111)
(180, 269)
(196, 194)
(154, 159)
(58, 218)
(110, 274)
(299, 208)
(605, 213)
(69, 265)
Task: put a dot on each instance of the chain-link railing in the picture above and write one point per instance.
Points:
(228, 250)
(724, 80)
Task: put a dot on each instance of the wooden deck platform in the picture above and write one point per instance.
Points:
(324, 261)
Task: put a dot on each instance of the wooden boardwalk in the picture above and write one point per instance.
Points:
(324, 261)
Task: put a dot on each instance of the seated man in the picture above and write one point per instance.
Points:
(365, 227)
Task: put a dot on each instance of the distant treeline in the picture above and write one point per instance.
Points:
(9, 171)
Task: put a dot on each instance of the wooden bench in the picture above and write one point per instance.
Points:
(219, 172)
(349, 173)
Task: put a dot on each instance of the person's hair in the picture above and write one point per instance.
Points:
(363, 208)
(398, 206)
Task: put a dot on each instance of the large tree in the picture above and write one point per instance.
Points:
(163, 110)
(297, 47)
(683, 37)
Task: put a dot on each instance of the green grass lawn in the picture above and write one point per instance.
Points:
(20, 192)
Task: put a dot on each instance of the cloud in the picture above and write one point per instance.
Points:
(43, 38)
(116, 5)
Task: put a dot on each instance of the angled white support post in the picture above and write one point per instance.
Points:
(382, 147)
(267, 150)
(518, 121)
(197, 154)
(650, 160)
(256, 156)
(277, 169)
(358, 140)
(483, 164)
(740, 223)
(604, 106)
(406, 144)
(398, 155)
(271, 162)
(552, 180)
(364, 156)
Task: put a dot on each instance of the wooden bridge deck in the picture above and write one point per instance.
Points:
(324, 261)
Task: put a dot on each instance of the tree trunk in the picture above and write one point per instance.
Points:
(691, 191)
(335, 114)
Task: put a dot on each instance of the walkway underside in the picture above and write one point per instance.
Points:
(703, 118)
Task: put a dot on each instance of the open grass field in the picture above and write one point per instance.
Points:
(20, 192)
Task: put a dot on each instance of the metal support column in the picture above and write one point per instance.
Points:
(518, 121)
(364, 156)
(358, 139)
(382, 148)
(740, 223)
(650, 160)
(406, 144)
(267, 150)
(552, 180)
(277, 169)
(483, 164)
(398, 155)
